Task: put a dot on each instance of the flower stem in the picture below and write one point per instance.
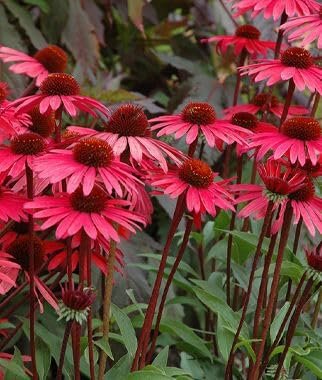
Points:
(32, 311)
(253, 374)
(266, 224)
(289, 96)
(293, 322)
(167, 286)
(295, 247)
(108, 287)
(68, 329)
(231, 228)
(147, 324)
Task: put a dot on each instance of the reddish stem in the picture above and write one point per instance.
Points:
(167, 286)
(253, 374)
(138, 361)
(266, 224)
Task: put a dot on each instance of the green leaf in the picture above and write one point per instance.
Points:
(126, 329)
(104, 345)
(43, 358)
(186, 334)
(162, 359)
(27, 23)
(14, 367)
(278, 321)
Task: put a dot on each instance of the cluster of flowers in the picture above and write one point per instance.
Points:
(62, 184)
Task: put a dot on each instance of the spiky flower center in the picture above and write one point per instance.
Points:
(44, 125)
(305, 193)
(94, 202)
(60, 84)
(53, 58)
(248, 31)
(245, 120)
(93, 152)
(261, 100)
(3, 91)
(196, 173)
(198, 113)
(297, 57)
(128, 120)
(27, 144)
(302, 128)
(20, 250)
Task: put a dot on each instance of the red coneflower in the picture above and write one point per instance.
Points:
(51, 59)
(299, 138)
(265, 102)
(200, 118)
(246, 37)
(295, 63)
(57, 91)
(195, 179)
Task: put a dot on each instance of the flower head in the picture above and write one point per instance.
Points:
(75, 304)
(128, 131)
(199, 118)
(295, 63)
(299, 138)
(275, 8)
(264, 102)
(306, 28)
(89, 160)
(195, 179)
(95, 213)
(246, 37)
(60, 91)
(51, 59)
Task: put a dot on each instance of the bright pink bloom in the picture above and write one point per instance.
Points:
(95, 213)
(195, 180)
(22, 150)
(299, 138)
(8, 272)
(90, 159)
(306, 28)
(129, 134)
(278, 183)
(51, 59)
(246, 38)
(200, 118)
(307, 205)
(60, 91)
(275, 8)
(295, 63)
(261, 103)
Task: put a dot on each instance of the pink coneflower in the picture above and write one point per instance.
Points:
(278, 183)
(22, 150)
(128, 132)
(200, 118)
(299, 138)
(19, 249)
(195, 180)
(89, 158)
(265, 102)
(295, 63)
(306, 28)
(246, 38)
(307, 205)
(95, 213)
(60, 91)
(8, 272)
(314, 257)
(275, 8)
(51, 59)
